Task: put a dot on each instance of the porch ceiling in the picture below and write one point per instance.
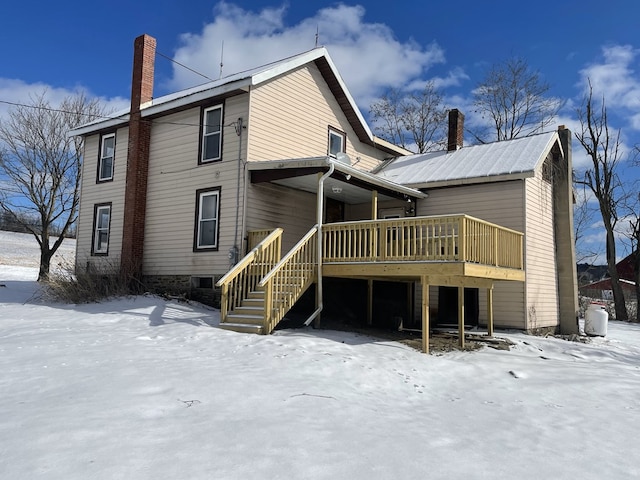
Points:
(347, 184)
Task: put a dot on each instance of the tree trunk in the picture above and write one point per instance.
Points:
(636, 278)
(618, 294)
(45, 264)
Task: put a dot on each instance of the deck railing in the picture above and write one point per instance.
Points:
(289, 279)
(443, 238)
(247, 273)
(254, 237)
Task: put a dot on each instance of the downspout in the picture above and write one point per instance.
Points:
(320, 194)
(235, 250)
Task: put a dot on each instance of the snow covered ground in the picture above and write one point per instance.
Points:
(142, 388)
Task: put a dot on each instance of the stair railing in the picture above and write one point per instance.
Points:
(289, 279)
(247, 273)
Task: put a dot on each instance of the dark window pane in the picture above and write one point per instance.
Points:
(212, 146)
(209, 207)
(212, 121)
(207, 233)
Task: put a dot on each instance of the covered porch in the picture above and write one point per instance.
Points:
(455, 250)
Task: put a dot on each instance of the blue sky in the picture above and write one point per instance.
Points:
(66, 45)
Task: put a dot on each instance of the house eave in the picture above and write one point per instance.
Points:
(347, 172)
(474, 181)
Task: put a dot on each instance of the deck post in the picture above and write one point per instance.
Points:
(461, 315)
(374, 204)
(490, 311)
(424, 281)
(369, 302)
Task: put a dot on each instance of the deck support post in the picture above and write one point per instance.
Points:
(490, 311)
(424, 281)
(374, 204)
(461, 315)
(372, 248)
(369, 302)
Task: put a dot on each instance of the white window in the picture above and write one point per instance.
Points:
(336, 142)
(208, 208)
(211, 134)
(107, 153)
(101, 221)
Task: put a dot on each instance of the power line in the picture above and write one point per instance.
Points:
(184, 66)
(59, 110)
(111, 117)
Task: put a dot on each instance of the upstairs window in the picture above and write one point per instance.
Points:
(207, 215)
(336, 142)
(211, 134)
(101, 225)
(107, 154)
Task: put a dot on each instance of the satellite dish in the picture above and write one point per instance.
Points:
(343, 158)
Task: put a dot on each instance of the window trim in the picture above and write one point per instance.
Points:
(99, 178)
(338, 133)
(200, 193)
(96, 208)
(203, 114)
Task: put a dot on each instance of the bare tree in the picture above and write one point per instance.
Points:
(40, 167)
(603, 148)
(582, 220)
(513, 99)
(634, 236)
(416, 121)
(633, 216)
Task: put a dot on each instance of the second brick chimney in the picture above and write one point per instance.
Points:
(135, 197)
(456, 130)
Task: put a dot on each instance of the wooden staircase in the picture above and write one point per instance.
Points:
(248, 317)
(272, 285)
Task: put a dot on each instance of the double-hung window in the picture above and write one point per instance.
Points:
(211, 134)
(207, 219)
(336, 142)
(107, 154)
(101, 225)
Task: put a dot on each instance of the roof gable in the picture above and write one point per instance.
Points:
(244, 81)
(498, 161)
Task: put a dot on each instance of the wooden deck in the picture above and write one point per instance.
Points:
(454, 250)
(458, 245)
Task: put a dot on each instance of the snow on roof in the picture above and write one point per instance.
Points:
(244, 80)
(516, 158)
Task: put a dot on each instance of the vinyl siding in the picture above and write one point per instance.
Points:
(174, 178)
(290, 118)
(500, 203)
(541, 285)
(93, 193)
(272, 206)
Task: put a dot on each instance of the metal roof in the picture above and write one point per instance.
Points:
(498, 161)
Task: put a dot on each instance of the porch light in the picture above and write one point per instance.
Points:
(336, 190)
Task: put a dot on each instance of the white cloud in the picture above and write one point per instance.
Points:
(614, 78)
(368, 55)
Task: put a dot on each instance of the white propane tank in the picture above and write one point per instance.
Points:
(595, 320)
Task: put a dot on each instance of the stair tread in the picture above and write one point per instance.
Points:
(241, 327)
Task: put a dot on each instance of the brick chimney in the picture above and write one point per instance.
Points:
(456, 130)
(135, 197)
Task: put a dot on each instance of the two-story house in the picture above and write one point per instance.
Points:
(280, 159)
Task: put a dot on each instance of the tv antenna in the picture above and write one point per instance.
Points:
(221, 60)
(317, 35)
